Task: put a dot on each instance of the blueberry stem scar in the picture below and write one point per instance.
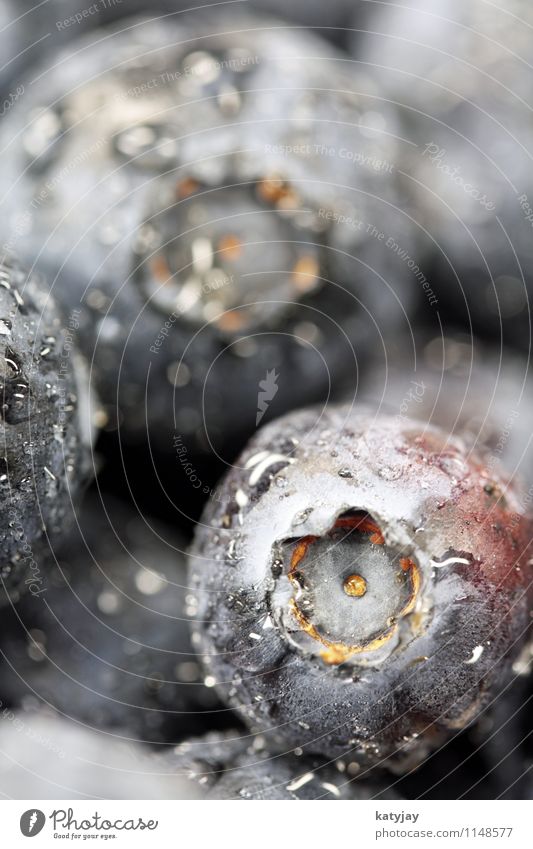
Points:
(354, 585)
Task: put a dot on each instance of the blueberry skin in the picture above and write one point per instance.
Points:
(464, 386)
(111, 139)
(425, 664)
(239, 767)
(108, 643)
(461, 75)
(46, 429)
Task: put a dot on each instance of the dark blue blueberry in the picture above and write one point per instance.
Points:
(107, 642)
(130, 150)
(362, 584)
(46, 428)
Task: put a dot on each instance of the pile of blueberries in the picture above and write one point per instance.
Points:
(266, 482)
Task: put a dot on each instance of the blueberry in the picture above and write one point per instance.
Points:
(130, 168)
(240, 767)
(45, 428)
(462, 74)
(362, 584)
(108, 643)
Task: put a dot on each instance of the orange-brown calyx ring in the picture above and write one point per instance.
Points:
(350, 562)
